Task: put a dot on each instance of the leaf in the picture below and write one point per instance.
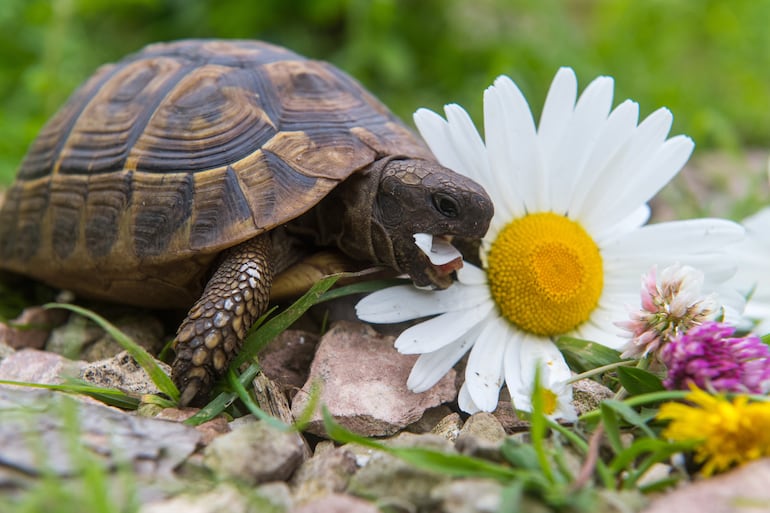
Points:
(519, 454)
(584, 355)
(137, 352)
(611, 427)
(639, 381)
(661, 448)
(628, 414)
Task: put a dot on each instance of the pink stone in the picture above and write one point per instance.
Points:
(363, 383)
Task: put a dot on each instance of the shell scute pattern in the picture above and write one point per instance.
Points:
(173, 154)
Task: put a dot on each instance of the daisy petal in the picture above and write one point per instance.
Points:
(511, 146)
(431, 367)
(435, 333)
(619, 127)
(465, 402)
(484, 372)
(405, 302)
(469, 274)
(470, 147)
(435, 130)
(568, 162)
(554, 371)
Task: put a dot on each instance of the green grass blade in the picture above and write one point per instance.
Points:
(137, 352)
(223, 400)
(252, 406)
(110, 396)
(455, 465)
(272, 328)
(361, 288)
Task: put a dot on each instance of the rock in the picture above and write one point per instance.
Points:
(385, 477)
(327, 472)
(143, 328)
(33, 366)
(82, 339)
(338, 503)
(209, 430)
(481, 436)
(31, 328)
(69, 339)
(286, 360)
(255, 453)
(363, 383)
(430, 419)
(107, 437)
(225, 497)
(123, 373)
(271, 398)
(468, 496)
(743, 489)
(588, 394)
(507, 415)
(449, 427)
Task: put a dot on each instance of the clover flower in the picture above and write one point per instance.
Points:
(670, 306)
(709, 357)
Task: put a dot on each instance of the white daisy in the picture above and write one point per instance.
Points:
(566, 246)
(753, 276)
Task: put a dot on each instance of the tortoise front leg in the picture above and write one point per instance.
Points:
(212, 334)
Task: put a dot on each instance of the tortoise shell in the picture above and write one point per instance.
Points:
(160, 161)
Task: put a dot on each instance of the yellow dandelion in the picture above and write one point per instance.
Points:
(728, 432)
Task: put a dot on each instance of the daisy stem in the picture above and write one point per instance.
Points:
(599, 370)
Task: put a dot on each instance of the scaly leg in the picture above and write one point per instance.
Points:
(213, 332)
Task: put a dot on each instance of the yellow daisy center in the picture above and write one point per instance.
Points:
(545, 273)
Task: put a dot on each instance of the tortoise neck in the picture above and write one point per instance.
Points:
(347, 218)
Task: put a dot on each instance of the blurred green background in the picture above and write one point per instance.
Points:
(707, 60)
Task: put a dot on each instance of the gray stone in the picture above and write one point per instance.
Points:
(481, 436)
(363, 383)
(468, 496)
(327, 472)
(449, 427)
(588, 394)
(255, 453)
(107, 436)
(225, 497)
(123, 373)
(385, 477)
(338, 503)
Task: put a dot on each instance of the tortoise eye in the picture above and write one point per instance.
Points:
(446, 205)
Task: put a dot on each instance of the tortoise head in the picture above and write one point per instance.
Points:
(423, 198)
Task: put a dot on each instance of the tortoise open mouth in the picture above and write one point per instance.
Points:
(443, 258)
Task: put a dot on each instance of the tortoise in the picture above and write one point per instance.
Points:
(189, 174)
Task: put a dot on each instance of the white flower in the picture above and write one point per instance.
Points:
(566, 246)
(753, 276)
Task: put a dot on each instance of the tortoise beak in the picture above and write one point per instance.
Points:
(440, 260)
